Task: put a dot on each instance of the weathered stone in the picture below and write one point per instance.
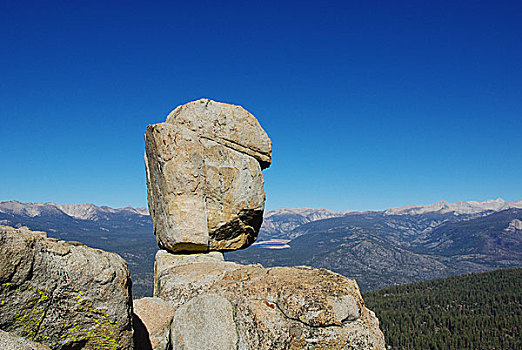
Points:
(206, 322)
(64, 295)
(156, 315)
(226, 124)
(275, 308)
(187, 276)
(165, 260)
(204, 180)
(9, 341)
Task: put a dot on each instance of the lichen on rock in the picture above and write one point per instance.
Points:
(63, 295)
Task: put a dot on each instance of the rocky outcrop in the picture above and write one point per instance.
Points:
(9, 341)
(204, 180)
(64, 295)
(258, 308)
(205, 193)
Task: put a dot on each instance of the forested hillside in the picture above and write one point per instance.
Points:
(475, 311)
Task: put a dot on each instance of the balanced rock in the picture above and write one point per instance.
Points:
(204, 180)
(262, 308)
(63, 295)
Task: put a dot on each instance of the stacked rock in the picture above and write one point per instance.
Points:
(204, 181)
(205, 194)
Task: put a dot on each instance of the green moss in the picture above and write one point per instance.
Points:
(28, 324)
(99, 333)
(5, 289)
(102, 336)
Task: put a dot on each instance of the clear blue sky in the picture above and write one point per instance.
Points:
(369, 104)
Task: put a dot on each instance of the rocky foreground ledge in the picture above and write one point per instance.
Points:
(65, 295)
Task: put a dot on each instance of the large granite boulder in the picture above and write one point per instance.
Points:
(262, 308)
(204, 180)
(63, 295)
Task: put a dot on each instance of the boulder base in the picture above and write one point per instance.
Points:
(272, 308)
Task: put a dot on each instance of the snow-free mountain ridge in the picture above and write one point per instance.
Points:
(399, 245)
(458, 208)
(88, 211)
(84, 211)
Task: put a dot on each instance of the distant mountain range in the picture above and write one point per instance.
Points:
(401, 245)
(277, 223)
(281, 223)
(378, 248)
(459, 208)
(85, 211)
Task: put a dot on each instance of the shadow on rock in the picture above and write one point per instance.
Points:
(141, 335)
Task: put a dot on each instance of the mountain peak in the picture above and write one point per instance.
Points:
(458, 208)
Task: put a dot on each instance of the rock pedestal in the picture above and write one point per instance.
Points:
(262, 308)
(204, 181)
